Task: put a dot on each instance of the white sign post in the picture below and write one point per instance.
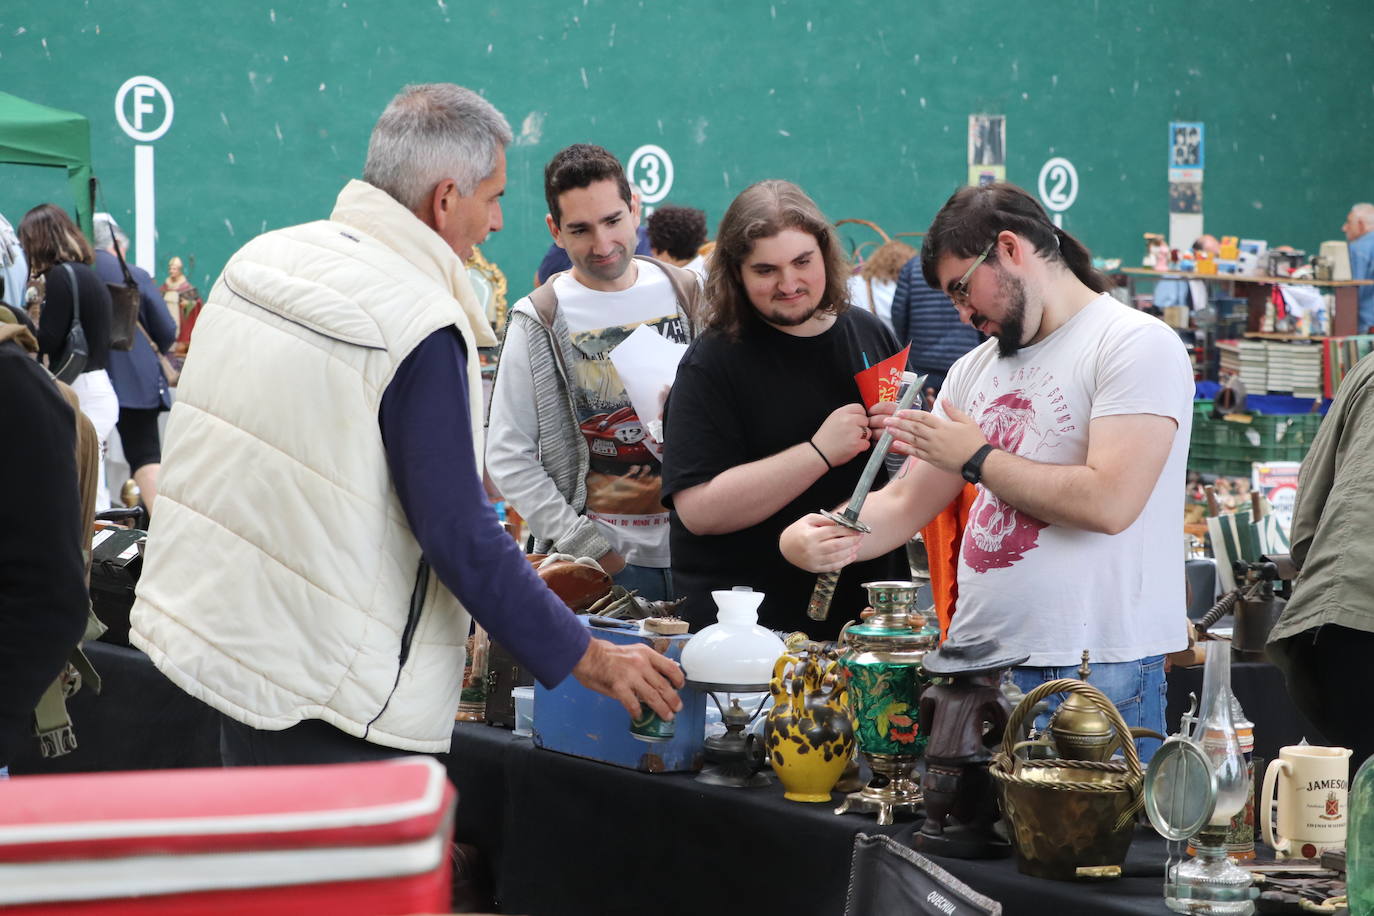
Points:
(140, 121)
(1058, 187)
(650, 169)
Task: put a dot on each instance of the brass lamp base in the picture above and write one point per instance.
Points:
(891, 790)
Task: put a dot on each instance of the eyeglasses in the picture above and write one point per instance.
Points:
(958, 290)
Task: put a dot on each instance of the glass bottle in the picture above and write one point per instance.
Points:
(1240, 838)
(1211, 879)
(1359, 843)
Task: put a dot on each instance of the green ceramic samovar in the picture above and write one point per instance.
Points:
(882, 660)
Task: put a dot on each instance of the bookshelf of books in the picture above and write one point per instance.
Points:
(1306, 367)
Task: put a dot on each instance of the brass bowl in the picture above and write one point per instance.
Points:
(1067, 814)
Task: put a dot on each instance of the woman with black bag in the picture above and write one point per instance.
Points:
(139, 379)
(62, 256)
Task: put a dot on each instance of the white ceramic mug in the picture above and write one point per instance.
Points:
(1312, 783)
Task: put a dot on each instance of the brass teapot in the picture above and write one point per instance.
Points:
(1079, 730)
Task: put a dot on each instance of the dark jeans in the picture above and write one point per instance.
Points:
(649, 582)
(311, 741)
(1330, 680)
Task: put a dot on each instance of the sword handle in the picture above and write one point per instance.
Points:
(821, 595)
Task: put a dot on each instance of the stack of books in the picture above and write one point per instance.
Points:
(1295, 366)
(1276, 366)
(1254, 365)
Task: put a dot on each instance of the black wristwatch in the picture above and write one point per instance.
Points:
(973, 468)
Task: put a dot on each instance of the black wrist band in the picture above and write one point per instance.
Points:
(972, 470)
(821, 453)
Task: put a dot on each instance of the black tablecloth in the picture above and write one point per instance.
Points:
(138, 721)
(578, 836)
(567, 836)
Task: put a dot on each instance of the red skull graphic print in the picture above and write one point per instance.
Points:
(1023, 421)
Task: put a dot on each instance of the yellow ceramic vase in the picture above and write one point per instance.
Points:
(809, 735)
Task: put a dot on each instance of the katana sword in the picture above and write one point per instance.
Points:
(824, 592)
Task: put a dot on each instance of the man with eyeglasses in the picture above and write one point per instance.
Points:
(1073, 422)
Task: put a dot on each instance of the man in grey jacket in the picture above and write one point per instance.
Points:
(565, 446)
(1325, 637)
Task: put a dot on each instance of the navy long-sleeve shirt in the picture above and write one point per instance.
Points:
(427, 434)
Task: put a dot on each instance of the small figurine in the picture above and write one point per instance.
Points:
(1156, 252)
(183, 301)
(964, 719)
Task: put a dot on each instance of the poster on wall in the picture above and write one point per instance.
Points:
(1185, 145)
(1187, 159)
(1185, 197)
(987, 149)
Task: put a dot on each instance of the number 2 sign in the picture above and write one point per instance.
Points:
(1058, 186)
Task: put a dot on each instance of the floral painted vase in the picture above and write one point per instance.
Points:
(885, 678)
(808, 735)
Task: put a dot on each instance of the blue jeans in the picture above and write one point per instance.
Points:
(649, 582)
(1137, 688)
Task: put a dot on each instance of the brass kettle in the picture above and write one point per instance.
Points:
(1078, 730)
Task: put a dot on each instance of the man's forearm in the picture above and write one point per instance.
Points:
(749, 493)
(1072, 495)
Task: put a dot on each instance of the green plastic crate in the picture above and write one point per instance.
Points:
(1229, 447)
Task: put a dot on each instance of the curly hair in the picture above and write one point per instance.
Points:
(580, 166)
(49, 237)
(887, 262)
(761, 211)
(680, 231)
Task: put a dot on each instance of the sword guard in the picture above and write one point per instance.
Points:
(851, 524)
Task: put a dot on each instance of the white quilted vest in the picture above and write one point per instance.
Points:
(281, 581)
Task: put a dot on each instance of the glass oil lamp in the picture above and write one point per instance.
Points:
(1210, 881)
(729, 660)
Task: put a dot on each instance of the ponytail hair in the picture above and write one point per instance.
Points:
(973, 216)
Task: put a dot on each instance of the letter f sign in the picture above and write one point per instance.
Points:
(142, 105)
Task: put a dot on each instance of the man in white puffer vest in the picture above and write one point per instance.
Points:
(322, 532)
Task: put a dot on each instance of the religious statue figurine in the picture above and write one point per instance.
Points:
(963, 718)
(183, 301)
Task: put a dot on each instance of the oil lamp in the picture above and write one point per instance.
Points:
(1195, 784)
(728, 660)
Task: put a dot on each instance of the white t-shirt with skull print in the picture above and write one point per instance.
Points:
(1053, 591)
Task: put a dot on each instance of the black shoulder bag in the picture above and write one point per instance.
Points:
(75, 354)
(124, 303)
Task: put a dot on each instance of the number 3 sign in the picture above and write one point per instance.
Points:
(1058, 186)
(651, 170)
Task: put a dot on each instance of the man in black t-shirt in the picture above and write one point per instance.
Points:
(765, 419)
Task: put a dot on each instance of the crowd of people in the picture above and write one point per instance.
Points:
(338, 359)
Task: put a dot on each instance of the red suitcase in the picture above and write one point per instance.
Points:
(364, 838)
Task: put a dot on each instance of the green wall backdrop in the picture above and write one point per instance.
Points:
(864, 103)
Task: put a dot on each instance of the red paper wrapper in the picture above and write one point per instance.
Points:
(880, 382)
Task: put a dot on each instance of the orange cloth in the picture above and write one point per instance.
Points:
(942, 537)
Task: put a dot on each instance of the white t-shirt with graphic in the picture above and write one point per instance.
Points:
(624, 480)
(1053, 591)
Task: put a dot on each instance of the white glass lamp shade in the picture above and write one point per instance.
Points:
(735, 649)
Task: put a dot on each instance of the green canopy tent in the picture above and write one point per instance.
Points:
(33, 134)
